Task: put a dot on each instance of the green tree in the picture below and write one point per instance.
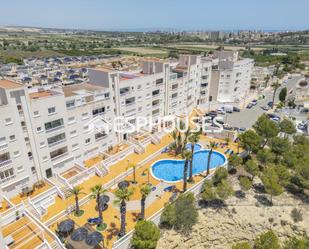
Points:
(283, 93)
(220, 175)
(76, 191)
(279, 146)
(234, 161)
(96, 192)
(275, 87)
(209, 192)
(186, 212)
(287, 127)
(123, 195)
(252, 168)
(182, 214)
(267, 240)
(245, 183)
(224, 190)
(146, 235)
(145, 190)
(265, 156)
(242, 245)
(212, 146)
(187, 155)
(266, 128)
(193, 139)
(271, 182)
(250, 141)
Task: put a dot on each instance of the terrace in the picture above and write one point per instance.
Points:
(31, 192)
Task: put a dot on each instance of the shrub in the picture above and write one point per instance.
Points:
(245, 183)
(220, 174)
(267, 240)
(224, 190)
(296, 215)
(297, 243)
(146, 235)
(242, 245)
(182, 214)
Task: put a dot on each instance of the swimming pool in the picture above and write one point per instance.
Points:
(171, 170)
(196, 147)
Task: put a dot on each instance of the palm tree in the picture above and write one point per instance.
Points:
(145, 190)
(193, 139)
(96, 192)
(275, 87)
(76, 191)
(187, 155)
(212, 145)
(123, 195)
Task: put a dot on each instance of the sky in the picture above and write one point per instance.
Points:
(157, 14)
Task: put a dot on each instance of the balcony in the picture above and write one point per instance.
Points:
(57, 142)
(6, 162)
(4, 146)
(55, 128)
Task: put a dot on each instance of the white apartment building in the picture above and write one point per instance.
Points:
(231, 77)
(45, 131)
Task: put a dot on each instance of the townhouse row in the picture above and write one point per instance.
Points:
(44, 131)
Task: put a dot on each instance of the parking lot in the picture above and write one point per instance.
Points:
(247, 117)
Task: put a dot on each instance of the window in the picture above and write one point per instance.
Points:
(99, 135)
(5, 157)
(56, 139)
(155, 93)
(51, 110)
(87, 141)
(56, 153)
(174, 95)
(175, 86)
(71, 120)
(36, 113)
(12, 138)
(6, 175)
(70, 103)
(130, 101)
(42, 144)
(85, 115)
(38, 129)
(139, 87)
(8, 121)
(159, 81)
(73, 133)
(54, 124)
(75, 145)
(98, 111)
(20, 169)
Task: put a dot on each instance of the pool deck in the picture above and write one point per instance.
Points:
(154, 202)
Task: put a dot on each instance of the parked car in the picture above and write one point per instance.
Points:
(228, 108)
(249, 106)
(236, 109)
(221, 110)
(265, 108)
(254, 102)
(270, 103)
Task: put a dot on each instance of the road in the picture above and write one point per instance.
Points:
(247, 117)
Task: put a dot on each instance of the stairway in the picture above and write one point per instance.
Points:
(54, 245)
(63, 188)
(155, 139)
(139, 149)
(32, 210)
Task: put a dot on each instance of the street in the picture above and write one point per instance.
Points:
(247, 117)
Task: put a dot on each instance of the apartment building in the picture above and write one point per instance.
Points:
(44, 131)
(47, 130)
(231, 77)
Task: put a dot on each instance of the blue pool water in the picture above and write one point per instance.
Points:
(172, 170)
(196, 147)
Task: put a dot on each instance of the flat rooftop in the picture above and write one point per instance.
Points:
(72, 90)
(8, 84)
(42, 94)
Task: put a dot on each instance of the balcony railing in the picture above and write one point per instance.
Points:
(4, 146)
(55, 128)
(57, 142)
(6, 162)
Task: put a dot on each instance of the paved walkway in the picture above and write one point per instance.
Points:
(152, 197)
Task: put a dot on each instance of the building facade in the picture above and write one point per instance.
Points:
(46, 130)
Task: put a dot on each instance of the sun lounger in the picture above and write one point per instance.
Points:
(232, 152)
(227, 151)
(169, 188)
(93, 221)
(173, 197)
